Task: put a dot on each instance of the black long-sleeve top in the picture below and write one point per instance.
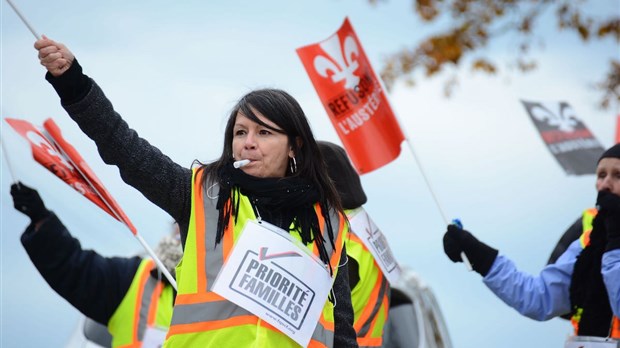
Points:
(155, 175)
(93, 284)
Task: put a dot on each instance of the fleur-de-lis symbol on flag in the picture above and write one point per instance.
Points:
(343, 62)
(564, 119)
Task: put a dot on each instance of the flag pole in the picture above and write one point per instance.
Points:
(8, 162)
(160, 265)
(145, 245)
(21, 16)
(426, 180)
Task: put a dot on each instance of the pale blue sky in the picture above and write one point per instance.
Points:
(174, 69)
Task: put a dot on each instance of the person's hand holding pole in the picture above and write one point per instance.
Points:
(54, 56)
(27, 201)
(457, 241)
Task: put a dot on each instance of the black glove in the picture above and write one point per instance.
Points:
(609, 209)
(479, 254)
(28, 201)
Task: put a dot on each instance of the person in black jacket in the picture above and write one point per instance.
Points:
(102, 288)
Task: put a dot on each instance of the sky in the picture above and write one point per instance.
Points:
(174, 70)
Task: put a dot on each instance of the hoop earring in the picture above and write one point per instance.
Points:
(293, 165)
(210, 192)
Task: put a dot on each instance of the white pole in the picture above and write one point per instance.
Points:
(428, 184)
(160, 265)
(8, 162)
(430, 189)
(34, 32)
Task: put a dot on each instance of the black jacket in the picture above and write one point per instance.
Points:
(93, 284)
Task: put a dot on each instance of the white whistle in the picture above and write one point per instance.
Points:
(241, 163)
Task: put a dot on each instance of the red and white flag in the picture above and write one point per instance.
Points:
(353, 98)
(53, 152)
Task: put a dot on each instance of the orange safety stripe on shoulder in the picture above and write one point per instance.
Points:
(201, 279)
(592, 211)
(356, 239)
(154, 303)
(321, 219)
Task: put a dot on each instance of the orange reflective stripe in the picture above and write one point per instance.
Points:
(154, 303)
(369, 341)
(374, 341)
(371, 301)
(339, 241)
(212, 325)
(592, 211)
(143, 278)
(585, 238)
(197, 298)
(201, 281)
(326, 324)
(615, 328)
(321, 220)
(316, 344)
(355, 238)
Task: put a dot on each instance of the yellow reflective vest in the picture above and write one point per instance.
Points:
(202, 318)
(147, 304)
(370, 296)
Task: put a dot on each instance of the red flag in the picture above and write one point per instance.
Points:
(618, 130)
(53, 152)
(353, 98)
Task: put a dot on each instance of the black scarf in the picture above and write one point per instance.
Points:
(587, 289)
(285, 202)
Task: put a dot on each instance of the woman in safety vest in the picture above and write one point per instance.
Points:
(583, 281)
(128, 295)
(270, 178)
